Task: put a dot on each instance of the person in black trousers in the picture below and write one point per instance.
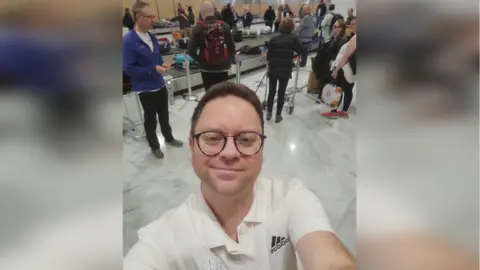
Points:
(281, 51)
(144, 65)
(269, 17)
(326, 54)
(211, 74)
(128, 19)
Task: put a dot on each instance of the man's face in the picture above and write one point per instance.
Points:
(229, 172)
(146, 18)
(350, 12)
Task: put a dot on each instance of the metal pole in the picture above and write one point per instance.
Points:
(237, 65)
(137, 98)
(190, 96)
(297, 71)
(158, 10)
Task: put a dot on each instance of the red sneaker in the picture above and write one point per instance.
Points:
(342, 114)
(330, 114)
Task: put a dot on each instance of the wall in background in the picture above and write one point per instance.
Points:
(168, 8)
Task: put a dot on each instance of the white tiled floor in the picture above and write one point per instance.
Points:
(321, 151)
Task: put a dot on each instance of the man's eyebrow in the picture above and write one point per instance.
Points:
(220, 130)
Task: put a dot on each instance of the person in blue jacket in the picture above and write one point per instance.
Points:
(144, 64)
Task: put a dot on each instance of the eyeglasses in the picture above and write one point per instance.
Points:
(211, 143)
(148, 16)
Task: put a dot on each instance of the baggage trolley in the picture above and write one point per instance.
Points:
(289, 93)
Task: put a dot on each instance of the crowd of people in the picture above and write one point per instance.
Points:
(212, 46)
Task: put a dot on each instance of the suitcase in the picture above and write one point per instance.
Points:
(237, 36)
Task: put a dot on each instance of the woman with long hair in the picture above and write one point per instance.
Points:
(344, 69)
(327, 52)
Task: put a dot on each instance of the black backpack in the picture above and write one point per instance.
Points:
(336, 17)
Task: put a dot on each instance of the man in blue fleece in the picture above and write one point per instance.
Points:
(144, 64)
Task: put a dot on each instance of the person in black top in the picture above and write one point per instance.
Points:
(287, 12)
(350, 16)
(211, 74)
(217, 15)
(190, 16)
(281, 51)
(228, 17)
(327, 52)
(321, 12)
(128, 19)
(247, 19)
(184, 23)
(269, 16)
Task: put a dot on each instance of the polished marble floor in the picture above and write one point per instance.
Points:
(319, 151)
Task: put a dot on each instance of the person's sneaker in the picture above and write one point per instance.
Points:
(158, 153)
(330, 114)
(269, 116)
(175, 143)
(278, 118)
(342, 114)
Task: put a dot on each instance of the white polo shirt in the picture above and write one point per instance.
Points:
(189, 237)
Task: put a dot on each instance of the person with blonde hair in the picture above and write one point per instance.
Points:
(278, 18)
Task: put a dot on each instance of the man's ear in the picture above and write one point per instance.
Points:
(191, 142)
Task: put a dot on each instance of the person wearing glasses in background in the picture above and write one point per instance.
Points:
(144, 64)
(235, 220)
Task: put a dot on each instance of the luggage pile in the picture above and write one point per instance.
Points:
(179, 62)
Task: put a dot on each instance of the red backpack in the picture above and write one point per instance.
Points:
(215, 51)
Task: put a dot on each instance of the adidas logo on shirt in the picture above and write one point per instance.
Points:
(278, 242)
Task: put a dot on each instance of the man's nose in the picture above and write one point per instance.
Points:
(230, 150)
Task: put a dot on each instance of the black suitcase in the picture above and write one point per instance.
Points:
(237, 36)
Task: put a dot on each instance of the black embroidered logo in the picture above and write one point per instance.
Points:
(278, 242)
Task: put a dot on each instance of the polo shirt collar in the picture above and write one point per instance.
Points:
(209, 228)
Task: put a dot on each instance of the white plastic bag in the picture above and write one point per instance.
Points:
(332, 94)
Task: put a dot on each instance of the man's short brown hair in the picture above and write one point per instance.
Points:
(224, 89)
(287, 26)
(137, 6)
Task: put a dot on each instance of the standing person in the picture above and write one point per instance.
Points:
(281, 49)
(327, 53)
(344, 69)
(300, 11)
(247, 19)
(212, 46)
(236, 219)
(287, 12)
(321, 12)
(269, 16)
(144, 64)
(179, 9)
(228, 16)
(350, 17)
(278, 18)
(184, 24)
(328, 22)
(218, 15)
(128, 20)
(191, 16)
(305, 33)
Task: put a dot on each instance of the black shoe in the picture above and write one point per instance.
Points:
(158, 153)
(175, 143)
(278, 118)
(269, 116)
